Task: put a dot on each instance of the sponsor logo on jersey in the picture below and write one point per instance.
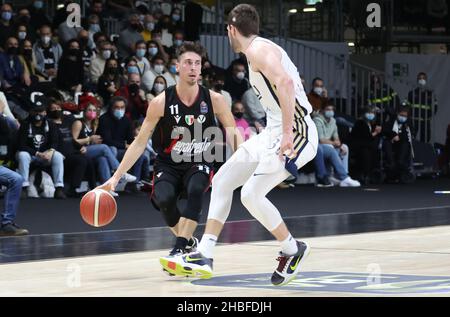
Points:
(203, 107)
(177, 118)
(201, 119)
(192, 148)
(189, 119)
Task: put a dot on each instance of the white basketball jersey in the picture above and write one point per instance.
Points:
(266, 91)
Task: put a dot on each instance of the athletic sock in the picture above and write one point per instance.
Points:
(289, 246)
(181, 243)
(207, 244)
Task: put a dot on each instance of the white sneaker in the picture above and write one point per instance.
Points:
(335, 181)
(113, 193)
(128, 178)
(348, 182)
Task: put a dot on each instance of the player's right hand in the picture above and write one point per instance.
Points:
(109, 185)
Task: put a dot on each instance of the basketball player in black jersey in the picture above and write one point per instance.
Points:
(181, 122)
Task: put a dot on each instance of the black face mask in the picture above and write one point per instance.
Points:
(112, 70)
(55, 114)
(133, 88)
(239, 115)
(73, 52)
(12, 50)
(36, 118)
(218, 87)
(24, 20)
(28, 53)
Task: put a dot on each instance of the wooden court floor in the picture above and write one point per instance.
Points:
(414, 262)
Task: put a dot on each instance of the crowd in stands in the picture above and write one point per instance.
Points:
(72, 100)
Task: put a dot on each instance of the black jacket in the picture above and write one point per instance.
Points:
(34, 139)
(115, 132)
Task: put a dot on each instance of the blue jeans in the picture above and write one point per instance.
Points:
(136, 170)
(105, 159)
(57, 164)
(327, 153)
(13, 181)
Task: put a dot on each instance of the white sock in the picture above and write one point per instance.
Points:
(289, 246)
(207, 244)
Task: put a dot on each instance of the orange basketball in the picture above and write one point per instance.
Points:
(98, 208)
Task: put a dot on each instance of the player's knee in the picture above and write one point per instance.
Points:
(165, 196)
(248, 197)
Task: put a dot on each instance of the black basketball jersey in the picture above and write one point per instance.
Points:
(183, 135)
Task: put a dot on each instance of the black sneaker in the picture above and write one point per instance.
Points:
(59, 193)
(289, 265)
(11, 229)
(324, 182)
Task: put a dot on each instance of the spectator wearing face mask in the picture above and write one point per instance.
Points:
(217, 85)
(129, 36)
(423, 104)
(159, 86)
(116, 131)
(364, 140)
(47, 53)
(11, 69)
(37, 143)
(141, 61)
(6, 26)
(28, 61)
(71, 63)
(110, 81)
(98, 63)
(158, 67)
(178, 39)
(171, 75)
(237, 84)
(398, 145)
(318, 96)
(149, 26)
(22, 33)
(332, 149)
(135, 96)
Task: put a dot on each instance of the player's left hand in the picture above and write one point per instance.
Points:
(287, 146)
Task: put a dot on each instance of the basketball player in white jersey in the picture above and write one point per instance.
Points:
(289, 141)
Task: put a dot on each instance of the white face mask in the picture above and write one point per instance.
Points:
(106, 54)
(240, 75)
(159, 69)
(318, 90)
(422, 82)
(158, 87)
(22, 35)
(46, 39)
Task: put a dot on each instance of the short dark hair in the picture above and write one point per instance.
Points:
(115, 99)
(245, 19)
(316, 79)
(191, 47)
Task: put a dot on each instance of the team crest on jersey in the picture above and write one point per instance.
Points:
(203, 107)
(201, 119)
(189, 119)
(177, 118)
